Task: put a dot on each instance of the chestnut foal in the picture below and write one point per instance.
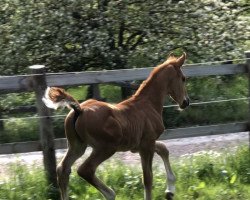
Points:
(132, 125)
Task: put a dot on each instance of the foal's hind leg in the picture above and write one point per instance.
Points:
(163, 152)
(64, 167)
(88, 168)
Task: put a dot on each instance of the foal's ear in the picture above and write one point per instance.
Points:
(180, 61)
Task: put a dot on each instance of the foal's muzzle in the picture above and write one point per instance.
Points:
(185, 103)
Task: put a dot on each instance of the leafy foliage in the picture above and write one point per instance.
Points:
(92, 35)
(84, 34)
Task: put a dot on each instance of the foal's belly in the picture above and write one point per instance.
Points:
(130, 142)
(126, 148)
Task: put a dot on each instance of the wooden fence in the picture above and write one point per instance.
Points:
(24, 83)
(38, 80)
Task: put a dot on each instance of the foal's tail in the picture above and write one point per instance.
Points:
(57, 97)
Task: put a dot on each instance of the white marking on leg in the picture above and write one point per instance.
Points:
(162, 151)
(171, 182)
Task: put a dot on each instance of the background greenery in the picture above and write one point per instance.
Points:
(70, 35)
(78, 35)
(19, 128)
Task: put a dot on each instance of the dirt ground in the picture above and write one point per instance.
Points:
(177, 148)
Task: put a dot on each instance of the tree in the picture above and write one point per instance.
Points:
(106, 34)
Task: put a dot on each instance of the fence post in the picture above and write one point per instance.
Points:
(45, 125)
(1, 124)
(94, 92)
(247, 54)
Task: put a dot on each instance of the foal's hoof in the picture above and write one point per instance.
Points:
(169, 196)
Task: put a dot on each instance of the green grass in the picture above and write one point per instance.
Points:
(203, 176)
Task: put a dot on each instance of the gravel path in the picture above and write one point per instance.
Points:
(177, 148)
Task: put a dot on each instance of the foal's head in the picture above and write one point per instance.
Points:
(177, 87)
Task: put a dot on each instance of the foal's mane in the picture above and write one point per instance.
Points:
(171, 60)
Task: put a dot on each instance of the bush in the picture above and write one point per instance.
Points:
(19, 130)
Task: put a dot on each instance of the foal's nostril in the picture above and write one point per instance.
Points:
(188, 101)
(185, 103)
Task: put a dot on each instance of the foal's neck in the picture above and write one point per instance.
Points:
(154, 89)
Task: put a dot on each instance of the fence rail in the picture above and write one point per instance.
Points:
(39, 80)
(24, 83)
(24, 147)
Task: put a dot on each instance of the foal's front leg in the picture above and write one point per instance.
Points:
(163, 152)
(146, 160)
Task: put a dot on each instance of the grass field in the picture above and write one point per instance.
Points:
(202, 176)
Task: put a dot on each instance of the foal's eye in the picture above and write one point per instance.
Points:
(183, 78)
